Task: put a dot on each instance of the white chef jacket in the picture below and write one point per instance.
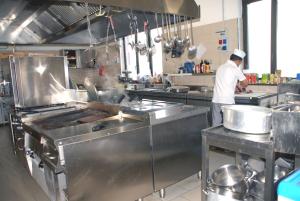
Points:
(226, 79)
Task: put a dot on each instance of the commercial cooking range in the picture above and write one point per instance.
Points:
(76, 150)
(95, 151)
(90, 153)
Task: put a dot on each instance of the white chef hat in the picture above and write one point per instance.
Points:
(239, 53)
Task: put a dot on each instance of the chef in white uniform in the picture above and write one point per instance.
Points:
(227, 78)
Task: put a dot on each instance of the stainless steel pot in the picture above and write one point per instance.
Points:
(247, 119)
(231, 181)
(257, 187)
(279, 173)
(229, 192)
(228, 175)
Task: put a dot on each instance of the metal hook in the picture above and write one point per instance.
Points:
(100, 13)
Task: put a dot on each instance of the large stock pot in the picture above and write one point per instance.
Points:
(247, 119)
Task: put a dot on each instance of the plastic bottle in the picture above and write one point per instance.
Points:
(201, 67)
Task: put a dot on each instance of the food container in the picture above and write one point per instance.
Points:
(265, 79)
(248, 78)
(272, 78)
(247, 119)
(257, 188)
(253, 78)
(198, 69)
(278, 73)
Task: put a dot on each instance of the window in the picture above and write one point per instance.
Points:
(131, 56)
(259, 36)
(157, 57)
(288, 37)
(144, 64)
(122, 52)
(281, 37)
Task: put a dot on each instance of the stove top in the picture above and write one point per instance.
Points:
(150, 105)
(72, 118)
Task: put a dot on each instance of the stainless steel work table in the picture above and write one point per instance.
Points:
(253, 145)
(203, 98)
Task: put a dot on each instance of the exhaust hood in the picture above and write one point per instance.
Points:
(179, 7)
(34, 22)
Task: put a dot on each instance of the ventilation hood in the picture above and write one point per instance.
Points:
(178, 7)
(28, 22)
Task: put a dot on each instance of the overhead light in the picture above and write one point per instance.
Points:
(40, 69)
(2, 26)
(120, 114)
(13, 17)
(4, 22)
(4, 82)
(16, 33)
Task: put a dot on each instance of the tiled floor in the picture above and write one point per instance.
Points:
(190, 188)
(17, 185)
(186, 190)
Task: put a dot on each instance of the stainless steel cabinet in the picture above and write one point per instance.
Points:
(113, 168)
(177, 149)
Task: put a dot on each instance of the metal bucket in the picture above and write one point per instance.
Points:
(247, 119)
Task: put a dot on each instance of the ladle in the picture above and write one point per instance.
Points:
(158, 38)
(168, 43)
(193, 49)
(186, 40)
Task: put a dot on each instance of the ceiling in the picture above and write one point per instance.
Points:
(30, 22)
(56, 21)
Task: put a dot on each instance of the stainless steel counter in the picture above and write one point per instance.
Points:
(158, 94)
(176, 140)
(286, 128)
(203, 98)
